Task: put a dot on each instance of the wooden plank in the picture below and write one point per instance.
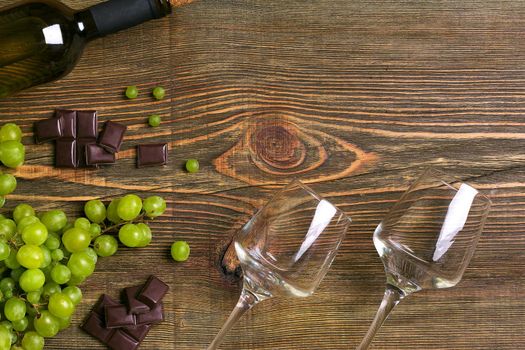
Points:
(353, 97)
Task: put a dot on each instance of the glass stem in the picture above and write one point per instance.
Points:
(245, 303)
(391, 298)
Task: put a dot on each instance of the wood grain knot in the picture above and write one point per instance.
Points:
(277, 146)
(275, 149)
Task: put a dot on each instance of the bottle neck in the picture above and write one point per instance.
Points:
(115, 15)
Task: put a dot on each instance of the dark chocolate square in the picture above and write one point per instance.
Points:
(112, 136)
(96, 155)
(117, 316)
(101, 304)
(48, 129)
(137, 332)
(81, 152)
(121, 341)
(155, 315)
(87, 122)
(152, 155)
(153, 291)
(66, 154)
(69, 123)
(94, 326)
(134, 306)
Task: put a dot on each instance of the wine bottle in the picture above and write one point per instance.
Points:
(42, 41)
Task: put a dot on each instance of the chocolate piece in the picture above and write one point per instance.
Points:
(121, 341)
(155, 315)
(101, 304)
(153, 291)
(48, 129)
(152, 155)
(69, 123)
(134, 306)
(94, 326)
(117, 316)
(112, 135)
(96, 155)
(66, 154)
(137, 332)
(81, 152)
(87, 124)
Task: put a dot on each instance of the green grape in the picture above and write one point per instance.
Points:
(49, 289)
(60, 305)
(31, 313)
(74, 293)
(55, 220)
(34, 297)
(111, 212)
(132, 92)
(47, 272)
(81, 264)
(130, 235)
(95, 230)
(129, 207)
(82, 223)
(14, 337)
(180, 251)
(14, 309)
(7, 229)
(192, 165)
(76, 239)
(64, 322)
(47, 256)
(60, 274)
(4, 251)
(46, 324)
(159, 93)
(7, 184)
(8, 294)
(67, 226)
(16, 273)
(105, 245)
(52, 242)
(35, 233)
(7, 325)
(11, 261)
(57, 255)
(33, 341)
(12, 153)
(10, 132)
(76, 280)
(21, 324)
(21, 211)
(6, 284)
(154, 120)
(92, 254)
(30, 256)
(32, 280)
(95, 211)
(154, 206)
(26, 221)
(5, 339)
(2, 201)
(146, 238)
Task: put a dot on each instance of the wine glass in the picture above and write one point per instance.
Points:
(286, 248)
(427, 239)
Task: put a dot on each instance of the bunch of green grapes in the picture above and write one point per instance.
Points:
(12, 151)
(43, 259)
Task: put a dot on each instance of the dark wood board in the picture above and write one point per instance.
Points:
(354, 98)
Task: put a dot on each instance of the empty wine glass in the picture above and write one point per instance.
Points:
(286, 248)
(427, 239)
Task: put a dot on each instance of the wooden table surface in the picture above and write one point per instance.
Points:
(354, 98)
